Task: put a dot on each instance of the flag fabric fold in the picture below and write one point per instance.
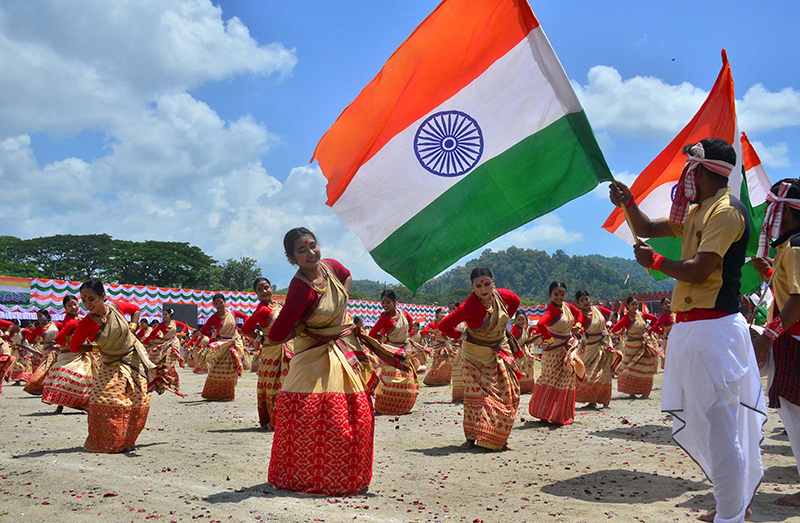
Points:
(470, 130)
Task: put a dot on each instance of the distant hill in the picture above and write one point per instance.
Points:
(528, 272)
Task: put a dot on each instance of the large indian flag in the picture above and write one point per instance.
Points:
(653, 188)
(470, 130)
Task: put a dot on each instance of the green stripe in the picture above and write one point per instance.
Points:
(534, 177)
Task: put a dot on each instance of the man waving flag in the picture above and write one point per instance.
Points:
(654, 188)
(475, 113)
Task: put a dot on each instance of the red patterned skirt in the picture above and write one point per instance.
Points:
(6, 360)
(222, 377)
(246, 358)
(553, 396)
(118, 408)
(272, 370)
(323, 443)
(21, 368)
(200, 360)
(526, 367)
(70, 380)
(491, 396)
(397, 391)
(442, 367)
(35, 384)
(639, 365)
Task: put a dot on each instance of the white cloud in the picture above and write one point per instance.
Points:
(648, 107)
(761, 110)
(69, 67)
(772, 155)
(642, 106)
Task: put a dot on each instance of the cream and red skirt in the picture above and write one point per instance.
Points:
(491, 396)
(553, 398)
(118, 408)
(639, 365)
(70, 380)
(272, 370)
(35, 384)
(442, 367)
(324, 426)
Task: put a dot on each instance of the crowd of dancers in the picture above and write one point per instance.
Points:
(108, 362)
(322, 376)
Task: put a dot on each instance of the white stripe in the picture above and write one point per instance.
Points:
(513, 99)
(758, 184)
(658, 203)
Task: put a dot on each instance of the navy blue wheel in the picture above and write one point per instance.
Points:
(449, 143)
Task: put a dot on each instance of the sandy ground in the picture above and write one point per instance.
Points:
(208, 461)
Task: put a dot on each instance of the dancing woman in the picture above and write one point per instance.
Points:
(21, 367)
(164, 347)
(639, 360)
(442, 365)
(397, 390)
(44, 336)
(597, 354)
(225, 354)
(7, 329)
(553, 397)
(324, 422)
(522, 333)
(491, 384)
(273, 363)
(144, 330)
(119, 402)
(69, 382)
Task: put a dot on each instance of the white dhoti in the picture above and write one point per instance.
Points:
(713, 390)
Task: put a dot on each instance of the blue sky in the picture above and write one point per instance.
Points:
(184, 120)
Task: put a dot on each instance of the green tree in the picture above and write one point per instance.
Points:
(68, 256)
(162, 264)
(13, 261)
(238, 275)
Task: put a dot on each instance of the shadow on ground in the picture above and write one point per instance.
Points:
(447, 450)
(782, 475)
(241, 430)
(264, 490)
(73, 450)
(656, 434)
(623, 486)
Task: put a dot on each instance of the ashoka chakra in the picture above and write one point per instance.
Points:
(449, 143)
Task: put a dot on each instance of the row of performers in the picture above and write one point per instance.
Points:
(321, 378)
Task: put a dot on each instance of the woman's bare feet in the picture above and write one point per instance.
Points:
(469, 444)
(789, 501)
(59, 409)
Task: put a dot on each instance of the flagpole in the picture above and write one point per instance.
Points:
(752, 318)
(630, 226)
